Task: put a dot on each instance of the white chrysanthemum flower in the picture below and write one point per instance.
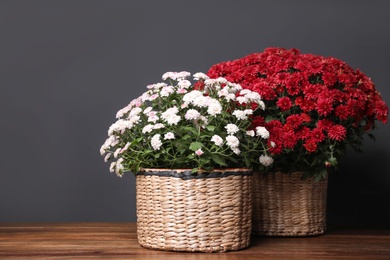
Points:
(201, 101)
(242, 100)
(221, 80)
(199, 152)
(192, 114)
(169, 136)
(146, 95)
(120, 126)
(158, 126)
(117, 151)
(230, 97)
(147, 110)
(110, 141)
(123, 111)
(169, 75)
(232, 141)
(153, 97)
(184, 84)
(245, 91)
(253, 96)
(203, 121)
(176, 75)
(159, 86)
(248, 112)
(156, 142)
(135, 111)
(107, 157)
(236, 150)
(125, 147)
(147, 129)
(231, 129)
(240, 114)
(266, 160)
(214, 108)
(250, 133)
(225, 93)
(173, 119)
(262, 131)
(235, 86)
(112, 166)
(210, 82)
(191, 96)
(261, 105)
(218, 141)
(152, 117)
(114, 127)
(169, 112)
(134, 120)
(166, 91)
(136, 102)
(182, 91)
(182, 75)
(119, 167)
(200, 76)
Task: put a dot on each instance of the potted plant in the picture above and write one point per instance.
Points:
(316, 107)
(191, 151)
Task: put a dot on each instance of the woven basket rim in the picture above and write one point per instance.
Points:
(187, 174)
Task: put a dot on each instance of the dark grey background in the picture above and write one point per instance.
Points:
(66, 67)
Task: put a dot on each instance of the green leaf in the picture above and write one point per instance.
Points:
(218, 159)
(185, 137)
(320, 175)
(195, 146)
(211, 128)
(205, 160)
(333, 161)
(189, 129)
(247, 162)
(136, 141)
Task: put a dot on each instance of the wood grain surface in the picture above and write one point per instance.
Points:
(119, 241)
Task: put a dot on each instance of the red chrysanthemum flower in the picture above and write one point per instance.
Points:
(284, 103)
(343, 112)
(324, 106)
(305, 104)
(381, 111)
(289, 139)
(303, 133)
(317, 135)
(311, 146)
(311, 101)
(265, 91)
(337, 132)
(294, 121)
(324, 124)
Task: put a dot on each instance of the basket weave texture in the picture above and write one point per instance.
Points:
(286, 205)
(195, 214)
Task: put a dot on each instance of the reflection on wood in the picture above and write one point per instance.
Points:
(119, 241)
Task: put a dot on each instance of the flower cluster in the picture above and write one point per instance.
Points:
(316, 106)
(175, 124)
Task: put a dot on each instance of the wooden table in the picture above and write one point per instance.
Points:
(119, 241)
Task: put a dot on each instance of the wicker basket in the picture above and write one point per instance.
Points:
(286, 205)
(178, 211)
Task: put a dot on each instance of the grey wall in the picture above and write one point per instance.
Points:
(66, 67)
